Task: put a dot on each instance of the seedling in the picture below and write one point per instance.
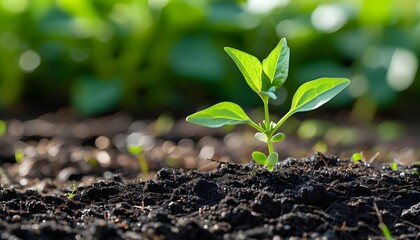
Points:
(265, 79)
(72, 194)
(137, 151)
(357, 156)
(19, 155)
(384, 228)
(394, 166)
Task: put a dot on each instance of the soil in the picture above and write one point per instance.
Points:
(316, 197)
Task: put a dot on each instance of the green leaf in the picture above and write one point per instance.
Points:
(358, 156)
(385, 231)
(278, 137)
(224, 113)
(267, 90)
(276, 65)
(259, 157)
(394, 166)
(313, 94)
(249, 66)
(272, 160)
(135, 150)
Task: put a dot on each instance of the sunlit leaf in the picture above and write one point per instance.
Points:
(313, 94)
(278, 137)
(358, 156)
(135, 150)
(224, 113)
(249, 66)
(276, 65)
(259, 157)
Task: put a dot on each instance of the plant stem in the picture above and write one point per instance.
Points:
(270, 146)
(268, 129)
(267, 115)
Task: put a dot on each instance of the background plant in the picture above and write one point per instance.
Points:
(265, 79)
(98, 56)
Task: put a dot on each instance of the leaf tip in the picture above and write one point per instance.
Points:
(284, 40)
(227, 49)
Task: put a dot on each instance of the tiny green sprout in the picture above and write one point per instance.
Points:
(385, 231)
(137, 151)
(19, 155)
(394, 166)
(72, 194)
(415, 172)
(358, 156)
(265, 78)
(384, 228)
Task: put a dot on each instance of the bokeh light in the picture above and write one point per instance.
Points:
(29, 61)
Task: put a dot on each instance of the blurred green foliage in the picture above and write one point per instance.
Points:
(167, 55)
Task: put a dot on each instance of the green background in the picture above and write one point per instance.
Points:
(155, 56)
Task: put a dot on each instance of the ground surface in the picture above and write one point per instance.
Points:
(313, 197)
(319, 196)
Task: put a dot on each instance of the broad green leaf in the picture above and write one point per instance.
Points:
(272, 160)
(276, 65)
(224, 113)
(261, 137)
(259, 157)
(313, 94)
(249, 66)
(278, 137)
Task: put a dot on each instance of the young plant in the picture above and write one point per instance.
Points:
(72, 193)
(265, 79)
(358, 156)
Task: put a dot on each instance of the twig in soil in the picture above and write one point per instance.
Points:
(219, 163)
(343, 226)
(329, 207)
(373, 157)
(382, 226)
(142, 207)
(322, 158)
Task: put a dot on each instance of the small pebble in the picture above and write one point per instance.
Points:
(16, 218)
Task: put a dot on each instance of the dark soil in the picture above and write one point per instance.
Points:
(319, 196)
